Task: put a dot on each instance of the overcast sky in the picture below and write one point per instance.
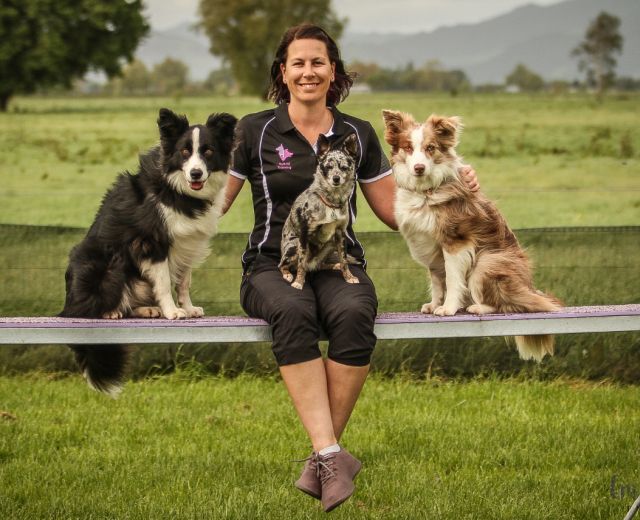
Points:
(383, 16)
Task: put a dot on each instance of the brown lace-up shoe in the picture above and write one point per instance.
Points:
(309, 481)
(337, 471)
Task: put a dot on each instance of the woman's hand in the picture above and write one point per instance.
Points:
(468, 175)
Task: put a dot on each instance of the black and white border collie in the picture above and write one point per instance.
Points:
(151, 229)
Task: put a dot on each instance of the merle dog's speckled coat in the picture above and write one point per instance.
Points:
(314, 232)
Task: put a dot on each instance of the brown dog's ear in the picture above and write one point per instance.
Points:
(395, 123)
(351, 145)
(447, 129)
(322, 145)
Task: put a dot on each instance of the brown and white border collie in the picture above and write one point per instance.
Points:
(474, 259)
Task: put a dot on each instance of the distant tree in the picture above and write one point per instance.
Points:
(434, 77)
(136, 79)
(170, 76)
(363, 71)
(525, 79)
(219, 81)
(51, 42)
(596, 52)
(246, 33)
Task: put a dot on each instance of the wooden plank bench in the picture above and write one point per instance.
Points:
(221, 329)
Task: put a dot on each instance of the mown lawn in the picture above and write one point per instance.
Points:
(190, 447)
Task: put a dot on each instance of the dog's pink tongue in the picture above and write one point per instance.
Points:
(197, 185)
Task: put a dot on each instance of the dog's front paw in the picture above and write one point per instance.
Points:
(479, 308)
(288, 277)
(194, 312)
(352, 279)
(444, 310)
(428, 308)
(113, 315)
(176, 314)
(297, 285)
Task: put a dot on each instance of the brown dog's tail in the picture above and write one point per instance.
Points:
(536, 347)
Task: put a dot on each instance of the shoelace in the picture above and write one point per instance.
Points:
(325, 467)
(314, 461)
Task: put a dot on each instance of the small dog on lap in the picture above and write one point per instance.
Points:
(314, 232)
(151, 229)
(474, 259)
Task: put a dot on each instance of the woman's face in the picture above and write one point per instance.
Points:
(308, 72)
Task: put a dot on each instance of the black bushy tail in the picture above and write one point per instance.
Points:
(103, 366)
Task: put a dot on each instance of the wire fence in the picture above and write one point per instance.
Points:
(581, 266)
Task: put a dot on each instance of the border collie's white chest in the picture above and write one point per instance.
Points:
(190, 237)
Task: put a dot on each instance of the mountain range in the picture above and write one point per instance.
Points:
(541, 37)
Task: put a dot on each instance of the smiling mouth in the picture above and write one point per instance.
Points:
(196, 185)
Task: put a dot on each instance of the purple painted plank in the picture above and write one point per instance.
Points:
(567, 312)
(384, 318)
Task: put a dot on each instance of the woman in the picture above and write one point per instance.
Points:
(275, 152)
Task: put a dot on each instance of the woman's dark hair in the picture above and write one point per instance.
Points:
(339, 89)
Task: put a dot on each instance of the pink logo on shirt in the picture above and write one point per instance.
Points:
(284, 154)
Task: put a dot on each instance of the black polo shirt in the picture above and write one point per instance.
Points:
(279, 164)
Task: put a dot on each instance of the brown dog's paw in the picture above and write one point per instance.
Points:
(443, 310)
(428, 308)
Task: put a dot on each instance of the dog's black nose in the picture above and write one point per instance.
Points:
(196, 174)
(419, 169)
(336, 179)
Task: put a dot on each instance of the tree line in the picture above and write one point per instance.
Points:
(52, 43)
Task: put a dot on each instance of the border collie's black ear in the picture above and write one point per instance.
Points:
(222, 126)
(171, 126)
(351, 145)
(322, 145)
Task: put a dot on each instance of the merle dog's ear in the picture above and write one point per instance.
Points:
(323, 145)
(171, 126)
(351, 145)
(222, 126)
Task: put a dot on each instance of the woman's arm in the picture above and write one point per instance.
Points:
(234, 185)
(381, 195)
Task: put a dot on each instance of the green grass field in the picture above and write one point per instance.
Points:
(547, 161)
(190, 447)
(194, 446)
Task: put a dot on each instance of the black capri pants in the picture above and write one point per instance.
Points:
(346, 312)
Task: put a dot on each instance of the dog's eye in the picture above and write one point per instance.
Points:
(185, 153)
(208, 153)
(431, 148)
(408, 148)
